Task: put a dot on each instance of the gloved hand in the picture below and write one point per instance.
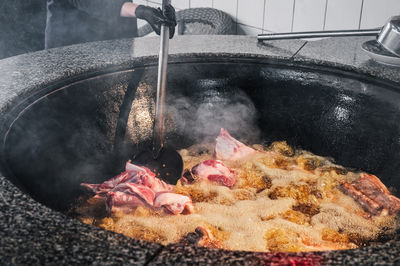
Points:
(156, 17)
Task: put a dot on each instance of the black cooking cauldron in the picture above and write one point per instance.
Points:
(84, 130)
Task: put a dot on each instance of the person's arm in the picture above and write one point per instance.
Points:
(128, 10)
(109, 10)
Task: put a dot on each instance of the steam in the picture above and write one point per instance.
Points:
(201, 117)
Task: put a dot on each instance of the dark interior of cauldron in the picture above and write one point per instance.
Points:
(78, 133)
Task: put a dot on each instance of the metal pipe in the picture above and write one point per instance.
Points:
(158, 134)
(317, 34)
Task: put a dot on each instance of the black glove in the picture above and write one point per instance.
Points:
(156, 17)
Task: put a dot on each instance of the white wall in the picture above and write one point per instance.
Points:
(257, 16)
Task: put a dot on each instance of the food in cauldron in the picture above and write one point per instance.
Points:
(247, 198)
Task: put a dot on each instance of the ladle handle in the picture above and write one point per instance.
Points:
(158, 133)
(317, 34)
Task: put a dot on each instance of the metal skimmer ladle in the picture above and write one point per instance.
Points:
(165, 162)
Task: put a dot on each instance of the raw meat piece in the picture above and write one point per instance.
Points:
(228, 148)
(138, 186)
(175, 203)
(372, 195)
(140, 191)
(147, 178)
(120, 201)
(215, 170)
(132, 174)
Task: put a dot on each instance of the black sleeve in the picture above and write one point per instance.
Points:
(106, 10)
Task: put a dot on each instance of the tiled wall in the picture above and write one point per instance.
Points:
(257, 16)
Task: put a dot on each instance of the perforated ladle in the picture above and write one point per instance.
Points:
(164, 161)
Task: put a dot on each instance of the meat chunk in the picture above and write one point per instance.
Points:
(143, 192)
(370, 185)
(120, 201)
(215, 170)
(147, 178)
(372, 195)
(133, 174)
(128, 196)
(138, 186)
(368, 204)
(228, 148)
(373, 188)
(173, 202)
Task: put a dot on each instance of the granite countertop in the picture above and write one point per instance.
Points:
(31, 233)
